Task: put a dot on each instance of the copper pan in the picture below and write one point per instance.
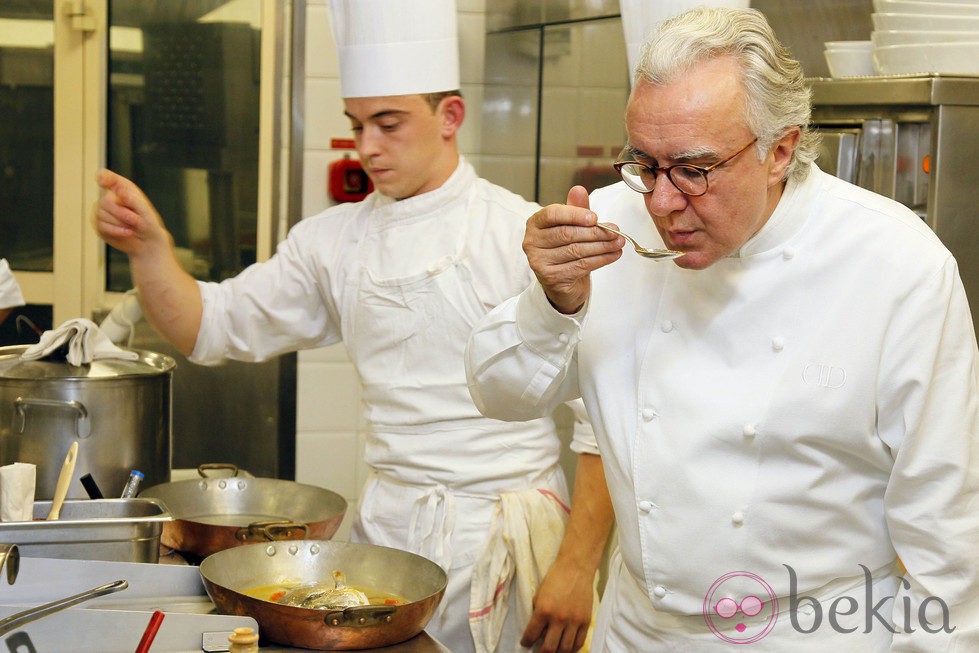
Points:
(213, 514)
(228, 574)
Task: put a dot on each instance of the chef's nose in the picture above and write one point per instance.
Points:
(369, 142)
(665, 198)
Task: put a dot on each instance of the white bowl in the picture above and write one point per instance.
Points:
(848, 45)
(950, 58)
(904, 37)
(887, 21)
(849, 63)
(919, 7)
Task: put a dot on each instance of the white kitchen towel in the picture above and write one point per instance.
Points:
(17, 481)
(84, 340)
(525, 535)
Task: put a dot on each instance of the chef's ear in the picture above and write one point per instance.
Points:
(782, 154)
(451, 111)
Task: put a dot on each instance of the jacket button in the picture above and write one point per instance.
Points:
(659, 591)
(646, 505)
(666, 326)
(788, 253)
(778, 344)
(563, 338)
(648, 414)
(749, 431)
(737, 518)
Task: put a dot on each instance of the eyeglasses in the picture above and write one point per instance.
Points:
(688, 179)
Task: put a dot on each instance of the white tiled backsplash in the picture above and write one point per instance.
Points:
(329, 425)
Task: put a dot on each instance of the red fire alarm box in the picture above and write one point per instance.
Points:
(347, 180)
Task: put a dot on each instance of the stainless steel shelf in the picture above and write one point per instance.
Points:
(921, 90)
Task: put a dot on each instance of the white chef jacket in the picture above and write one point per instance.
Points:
(10, 295)
(809, 401)
(402, 283)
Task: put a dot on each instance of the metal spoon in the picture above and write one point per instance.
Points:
(655, 254)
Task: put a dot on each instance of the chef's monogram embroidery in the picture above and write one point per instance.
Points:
(824, 375)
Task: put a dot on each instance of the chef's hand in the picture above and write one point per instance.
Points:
(562, 610)
(564, 246)
(126, 219)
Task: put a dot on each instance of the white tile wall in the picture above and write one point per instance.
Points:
(330, 430)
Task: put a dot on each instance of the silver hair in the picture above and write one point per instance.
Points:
(776, 94)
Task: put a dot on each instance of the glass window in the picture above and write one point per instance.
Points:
(183, 124)
(27, 134)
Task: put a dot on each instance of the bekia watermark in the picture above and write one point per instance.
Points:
(741, 608)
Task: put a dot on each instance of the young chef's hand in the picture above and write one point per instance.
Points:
(126, 219)
(562, 610)
(170, 298)
(564, 246)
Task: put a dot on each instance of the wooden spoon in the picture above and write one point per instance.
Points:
(64, 479)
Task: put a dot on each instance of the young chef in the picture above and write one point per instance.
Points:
(10, 295)
(784, 411)
(401, 278)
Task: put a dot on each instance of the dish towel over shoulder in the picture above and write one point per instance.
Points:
(524, 538)
(79, 341)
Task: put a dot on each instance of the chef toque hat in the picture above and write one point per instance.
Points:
(395, 47)
(640, 18)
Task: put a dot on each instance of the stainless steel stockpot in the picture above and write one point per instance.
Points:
(119, 411)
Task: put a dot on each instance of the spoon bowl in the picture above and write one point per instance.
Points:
(655, 254)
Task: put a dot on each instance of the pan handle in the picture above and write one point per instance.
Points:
(271, 531)
(15, 621)
(360, 616)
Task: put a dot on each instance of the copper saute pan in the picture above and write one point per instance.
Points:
(227, 574)
(213, 514)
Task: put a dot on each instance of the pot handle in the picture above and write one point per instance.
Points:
(206, 467)
(83, 425)
(271, 531)
(360, 616)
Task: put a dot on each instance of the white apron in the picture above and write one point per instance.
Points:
(435, 484)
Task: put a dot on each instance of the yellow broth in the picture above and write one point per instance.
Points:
(274, 592)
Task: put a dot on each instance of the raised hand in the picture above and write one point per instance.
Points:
(564, 246)
(126, 219)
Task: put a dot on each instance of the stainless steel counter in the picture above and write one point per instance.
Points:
(116, 622)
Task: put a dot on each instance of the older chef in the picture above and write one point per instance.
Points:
(784, 411)
(10, 295)
(401, 278)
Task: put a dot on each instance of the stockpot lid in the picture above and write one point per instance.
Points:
(149, 363)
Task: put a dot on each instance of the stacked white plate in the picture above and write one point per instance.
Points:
(849, 58)
(925, 36)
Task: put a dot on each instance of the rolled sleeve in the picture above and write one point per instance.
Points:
(520, 358)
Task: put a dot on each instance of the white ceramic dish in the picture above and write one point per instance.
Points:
(919, 7)
(948, 58)
(848, 45)
(887, 21)
(849, 63)
(904, 37)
